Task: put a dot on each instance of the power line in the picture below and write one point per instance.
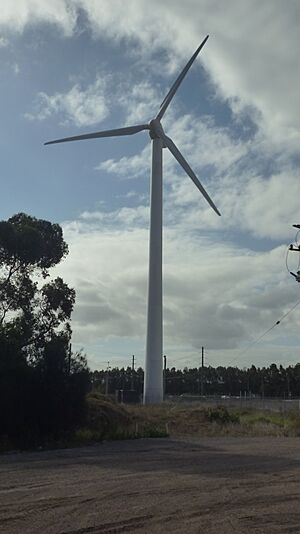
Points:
(254, 342)
(297, 303)
(265, 333)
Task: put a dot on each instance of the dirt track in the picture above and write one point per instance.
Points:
(212, 485)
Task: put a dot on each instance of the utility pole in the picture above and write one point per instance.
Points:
(132, 373)
(288, 385)
(107, 378)
(202, 372)
(295, 248)
(262, 387)
(263, 392)
(165, 374)
(69, 358)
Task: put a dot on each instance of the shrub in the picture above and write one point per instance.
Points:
(220, 414)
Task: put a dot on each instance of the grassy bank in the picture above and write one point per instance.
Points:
(194, 419)
(107, 420)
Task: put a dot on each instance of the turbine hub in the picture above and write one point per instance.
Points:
(155, 129)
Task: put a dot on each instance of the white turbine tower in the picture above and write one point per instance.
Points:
(153, 383)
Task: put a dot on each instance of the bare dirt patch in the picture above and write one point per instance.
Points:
(208, 485)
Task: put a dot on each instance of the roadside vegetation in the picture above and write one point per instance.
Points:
(107, 420)
(194, 419)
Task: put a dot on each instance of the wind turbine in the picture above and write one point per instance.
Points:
(153, 382)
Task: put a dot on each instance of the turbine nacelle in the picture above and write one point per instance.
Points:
(156, 129)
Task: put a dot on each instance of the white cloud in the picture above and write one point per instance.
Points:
(127, 216)
(256, 205)
(206, 144)
(270, 207)
(220, 297)
(135, 166)
(141, 104)
(16, 15)
(252, 54)
(254, 57)
(80, 106)
(16, 69)
(3, 42)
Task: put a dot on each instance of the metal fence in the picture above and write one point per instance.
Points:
(258, 403)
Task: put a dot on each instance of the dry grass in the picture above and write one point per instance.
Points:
(194, 419)
(107, 420)
(182, 420)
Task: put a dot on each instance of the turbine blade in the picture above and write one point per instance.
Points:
(165, 103)
(129, 130)
(184, 164)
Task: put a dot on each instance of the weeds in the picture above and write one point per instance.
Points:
(107, 420)
(194, 419)
(221, 415)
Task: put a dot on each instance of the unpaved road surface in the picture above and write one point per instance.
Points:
(209, 485)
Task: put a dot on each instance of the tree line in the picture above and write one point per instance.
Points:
(272, 381)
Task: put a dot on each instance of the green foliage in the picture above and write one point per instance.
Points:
(29, 242)
(30, 314)
(292, 423)
(44, 401)
(88, 436)
(152, 431)
(220, 414)
(252, 417)
(42, 384)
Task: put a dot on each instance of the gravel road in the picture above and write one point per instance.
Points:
(209, 485)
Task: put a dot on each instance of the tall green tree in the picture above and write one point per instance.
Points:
(31, 312)
(42, 384)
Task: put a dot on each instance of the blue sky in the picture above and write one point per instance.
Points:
(76, 66)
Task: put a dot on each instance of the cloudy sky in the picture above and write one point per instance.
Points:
(73, 66)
